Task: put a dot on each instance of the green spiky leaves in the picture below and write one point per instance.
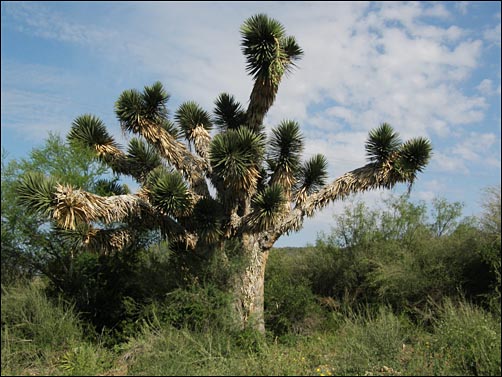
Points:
(35, 192)
(292, 51)
(286, 146)
(134, 107)
(154, 99)
(235, 158)
(190, 116)
(105, 187)
(142, 157)
(207, 219)
(229, 114)
(268, 206)
(414, 156)
(407, 159)
(169, 192)
(269, 54)
(89, 131)
(267, 50)
(260, 37)
(311, 176)
(381, 143)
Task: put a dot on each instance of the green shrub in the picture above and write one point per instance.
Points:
(110, 291)
(397, 257)
(290, 304)
(197, 307)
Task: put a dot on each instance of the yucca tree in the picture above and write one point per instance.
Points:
(202, 190)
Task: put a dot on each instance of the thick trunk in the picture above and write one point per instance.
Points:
(248, 286)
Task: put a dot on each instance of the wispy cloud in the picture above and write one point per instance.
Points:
(492, 35)
(34, 114)
(408, 74)
(462, 6)
(36, 19)
(35, 99)
(407, 63)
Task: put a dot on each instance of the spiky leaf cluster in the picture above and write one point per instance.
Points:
(169, 192)
(143, 158)
(381, 143)
(312, 175)
(190, 116)
(208, 219)
(90, 131)
(134, 107)
(414, 155)
(235, 158)
(409, 158)
(268, 206)
(285, 148)
(269, 54)
(106, 187)
(229, 114)
(36, 192)
(268, 51)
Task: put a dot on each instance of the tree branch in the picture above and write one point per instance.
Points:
(193, 167)
(368, 177)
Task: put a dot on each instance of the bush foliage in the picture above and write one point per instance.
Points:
(401, 289)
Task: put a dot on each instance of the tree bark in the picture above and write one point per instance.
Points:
(248, 285)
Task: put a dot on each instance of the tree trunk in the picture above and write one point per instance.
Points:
(248, 285)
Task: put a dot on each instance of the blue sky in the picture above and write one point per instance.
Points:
(428, 68)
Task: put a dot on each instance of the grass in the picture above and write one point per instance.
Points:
(378, 343)
(40, 337)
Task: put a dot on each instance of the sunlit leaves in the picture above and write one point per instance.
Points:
(286, 146)
(155, 98)
(134, 106)
(381, 143)
(235, 157)
(35, 192)
(190, 116)
(88, 130)
(260, 43)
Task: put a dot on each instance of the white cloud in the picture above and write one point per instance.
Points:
(436, 10)
(493, 35)
(462, 6)
(475, 146)
(447, 163)
(431, 189)
(364, 64)
(474, 149)
(486, 88)
(373, 70)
